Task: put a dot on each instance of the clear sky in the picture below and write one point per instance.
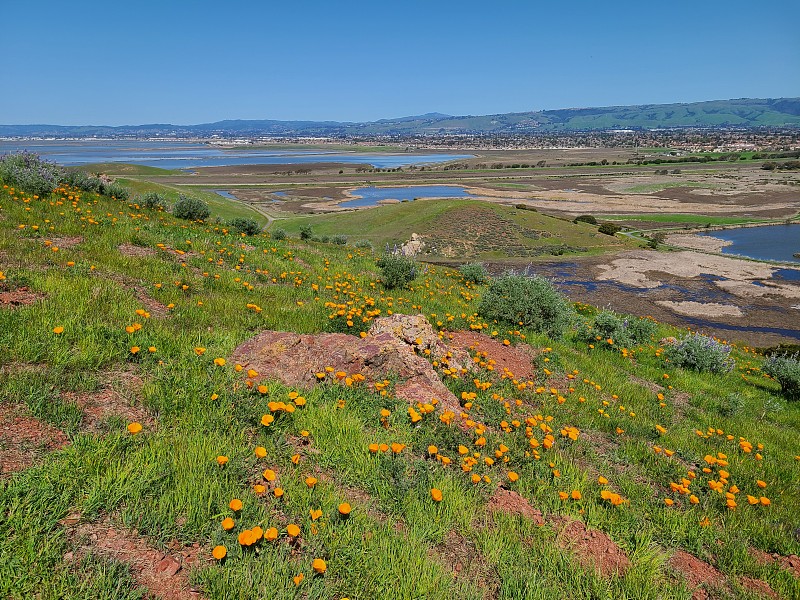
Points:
(188, 62)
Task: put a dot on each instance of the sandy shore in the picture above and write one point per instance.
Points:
(705, 243)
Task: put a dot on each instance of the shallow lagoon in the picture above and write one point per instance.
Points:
(186, 155)
(371, 196)
(769, 242)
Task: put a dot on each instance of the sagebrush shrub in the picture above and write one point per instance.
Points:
(153, 201)
(339, 239)
(306, 232)
(278, 234)
(191, 209)
(115, 190)
(527, 301)
(245, 226)
(624, 331)
(700, 353)
(30, 173)
(364, 245)
(397, 270)
(474, 272)
(785, 369)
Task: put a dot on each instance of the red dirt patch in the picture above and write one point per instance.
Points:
(517, 359)
(64, 242)
(592, 548)
(135, 251)
(118, 399)
(791, 563)
(697, 573)
(23, 439)
(19, 297)
(762, 588)
(165, 575)
(295, 359)
(465, 561)
(510, 502)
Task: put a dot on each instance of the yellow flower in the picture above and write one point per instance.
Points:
(219, 552)
(344, 509)
(58, 330)
(436, 494)
(512, 476)
(311, 481)
(236, 505)
(227, 524)
(260, 451)
(292, 530)
(220, 362)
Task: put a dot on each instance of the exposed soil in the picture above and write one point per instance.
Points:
(165, 575)
(465, 561)
(790, 563)
(759, 587)
(697, 573)
(24, 439)
(511, 503)
(592, 548)
(65, 242)
(517, 359)
(135, 251)
(18, 297)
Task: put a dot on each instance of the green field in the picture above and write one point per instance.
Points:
(138, 313)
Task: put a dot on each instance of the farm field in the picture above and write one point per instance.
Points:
(199, 413)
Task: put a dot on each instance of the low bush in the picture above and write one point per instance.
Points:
(609, 229)
(585, 219)
(397, 270)
(339, 239)
(364, 245)
(700, 353)
(245, 226)
(306, 232)
(527, 301)
(191, 209)
(785, 369)
(30, 173)
(623, 331)
(117, 191)
(474, 272)
(153, 201)
(278, 234)
(83, 181)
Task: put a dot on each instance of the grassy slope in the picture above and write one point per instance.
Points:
(476, 228)
(165, 482)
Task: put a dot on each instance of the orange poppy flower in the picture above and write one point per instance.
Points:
(219, 552)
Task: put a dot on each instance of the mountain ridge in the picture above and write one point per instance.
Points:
(740, 112)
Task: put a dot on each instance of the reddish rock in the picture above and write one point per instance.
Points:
(389, 348)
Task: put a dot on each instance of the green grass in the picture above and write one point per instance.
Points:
(166, 484)
(464, 228)
(683, 218)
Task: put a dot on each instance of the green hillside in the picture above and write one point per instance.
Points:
(146, 451)
(460, 229)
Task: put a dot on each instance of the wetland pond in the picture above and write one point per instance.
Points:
(186, 155)
(371, 196)
(768, 242)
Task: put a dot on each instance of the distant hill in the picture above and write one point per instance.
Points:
(744, 112)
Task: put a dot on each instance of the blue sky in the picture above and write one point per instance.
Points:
(193, 62)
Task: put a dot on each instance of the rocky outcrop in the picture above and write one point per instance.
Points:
(394, 345)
